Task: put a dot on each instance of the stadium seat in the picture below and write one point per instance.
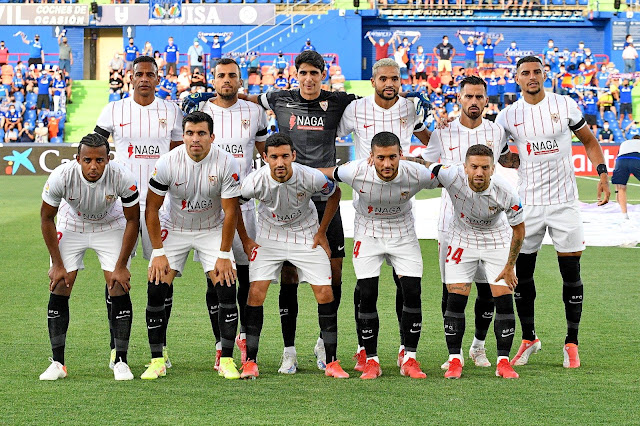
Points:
(254, 89)
(56, 139)
(31, 97)
(30, 114)
(583, 2)
(254, 80)
(19, 97)
(570, 2)
(407, 88)
(275, 1)
(236, 1)
(263, 1)
(114, 97)
(265, 69)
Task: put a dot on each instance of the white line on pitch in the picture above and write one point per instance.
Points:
(592, 178)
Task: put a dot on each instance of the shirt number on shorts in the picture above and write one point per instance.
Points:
(457, 255)
(163, 234)
(254, 253)
(356, 249)
(59, 236)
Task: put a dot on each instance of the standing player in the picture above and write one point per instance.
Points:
(541, 124)
(479, 235)
(627, 163)
(288, 230)
(239, 126)
(384, 229)
(449, 146)
(384, 111)
(143, 128)
(203, 187)
(90, 218)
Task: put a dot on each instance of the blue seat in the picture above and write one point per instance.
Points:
(56, 139)
(263, 1)
(254, 89)
(31, 97)
(570, 2)
(583, 2)
(557, 2)
(406, 88)
(114, 97)
(19, 97)
(30, 114)
(266, 88)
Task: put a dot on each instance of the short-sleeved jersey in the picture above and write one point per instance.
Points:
(285, 210)
(542, 133)
(141, 134)
(236, 130)
(383, 209)
(449, 146)
(195, 188)
(90, 206)
(365, 119)
(172, 52)
(481, 219)
(312, 125)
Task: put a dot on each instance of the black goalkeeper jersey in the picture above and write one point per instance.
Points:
(312, 125)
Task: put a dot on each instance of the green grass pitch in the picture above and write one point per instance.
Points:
(604, 390)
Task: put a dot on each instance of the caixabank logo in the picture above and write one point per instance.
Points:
(18, 159)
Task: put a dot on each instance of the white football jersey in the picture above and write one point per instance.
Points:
(542, 133)
(195, 189)
(141, 134)
(285, 210)
(365, 119)
(449, 146)
(481, 220)
(383, 209)
(236, 130)
(90, 206)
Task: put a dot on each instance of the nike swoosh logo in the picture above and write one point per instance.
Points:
(292, 105)
(53, 317)
(361, 191)
(367, 337)
(451, 148)
(366, 126)
(123, 316)
(519, 124)
(340, 248)
(414, 331)
(507, 335)
(575, 303)
(449, 334)
(124, 124)
(178, 184)
(229, 320)
(71, 199)
(155, 326)
(487, 316)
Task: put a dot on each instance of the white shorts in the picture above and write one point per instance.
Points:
(106, 244)
(249, 219)
(564, 223)
(443, 250)
(403, 254)
(312, 264)
(178, 244)
(463, 263)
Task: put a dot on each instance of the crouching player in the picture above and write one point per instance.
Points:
(288, 230)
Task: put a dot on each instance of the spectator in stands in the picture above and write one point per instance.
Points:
(171, 55)
(13, 119)
(632, 130)
(148, 49)
(580, 52)
(184, 80)
(512, 53)
(455, 111)
(59, 93)
(589, 66)
(629, 55)
(195, 56)
(116, 83)
(492, 89)
(41, 133)
(131, 52)
(215, 47)
(68, 81)
(470, 51)
(116, 64)
(26, 135)
(510, 89)
(400, 55)
(491, 112)
(65, 55)
(337, 81)
(419, 63)
(434, 81)
(437, 100)
(126, 81)
(254, 63)
(450, 92)
(590, 105)
(4, 54)
(197, 78)
(444, 52)
(382, 47)
(281, 82)
(548, 51)
(44, 85)
(550, 81)
(605, 136)
(605, 102)
(407, 46)
(602, 76)
(159, 61)
(20, 66)
(293, 80)
(11, 136)
(488, 47)
(308, 46)
(18, 83)
(167, 85)
(628, 40)
(36, 53)
(626, 101)
(279, 63)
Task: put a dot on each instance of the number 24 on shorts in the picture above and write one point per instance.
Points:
(356, 248)
(457, 255)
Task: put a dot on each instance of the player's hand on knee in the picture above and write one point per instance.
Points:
(158, 269)
(120, 276)
(320, 239)
(58, 276)
(224, 272)
(508, 274)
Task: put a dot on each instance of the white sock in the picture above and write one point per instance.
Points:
(290, 350)
(401, 348)
(320, 341)
(477, 343)
(218, 346)
(408, 355)
(360, 348)
(243, 336)
(452, 356)
(375, 358)
(503, 357)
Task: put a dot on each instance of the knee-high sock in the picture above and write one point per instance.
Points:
(121, 319)
(368, 320)
(445, 297)
(505, 324)
(399, 304)
(227, 317)
(572, 295)
(356, 310)
(328, 320)
(243, 293)
(525, 294)
(454, 323)
(483, 310)
(213, 307)
(411, 312)
(107, 300)
(168, 304)
(288, 302)
(255, 316)
(156, 316)
(58, 323)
